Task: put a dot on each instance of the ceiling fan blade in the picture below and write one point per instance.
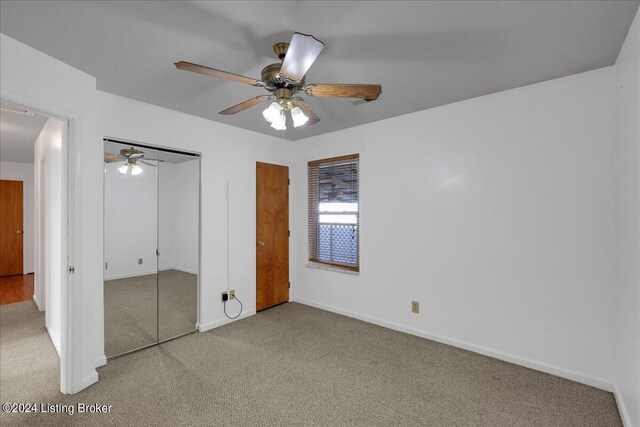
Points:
(147, 163)
(112, 158)
(302, 51)
(201, 69)
(313, 118)
(366, 92)
(246, 104)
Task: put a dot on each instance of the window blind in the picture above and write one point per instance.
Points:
(334, 211)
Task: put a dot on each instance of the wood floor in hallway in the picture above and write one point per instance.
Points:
(16, 288)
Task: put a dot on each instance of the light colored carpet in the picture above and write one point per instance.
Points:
(131, 317)
(295, 365)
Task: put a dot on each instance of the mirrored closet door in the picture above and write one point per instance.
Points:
(178, 243)
(151, 245)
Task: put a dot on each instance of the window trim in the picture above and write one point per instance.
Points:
(335, 159)
(330, 267)
(317, 163)
(339, 266)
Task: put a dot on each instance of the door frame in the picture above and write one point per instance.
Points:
(25, 222)
(71, 380)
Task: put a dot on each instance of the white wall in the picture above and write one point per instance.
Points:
(495, 214)
(135, 205)
(24, 172)
(50, 224)
(130, 222)
(179, 216)
(628, 208)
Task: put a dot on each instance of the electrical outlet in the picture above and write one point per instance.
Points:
(139, 261)
(415, 307)
(224, 296)
(232, 294)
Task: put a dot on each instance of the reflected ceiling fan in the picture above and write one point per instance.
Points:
(284, 80)
(131, 157)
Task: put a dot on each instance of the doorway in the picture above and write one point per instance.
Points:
(35, 234)
(272, 235)
(15, 285)
(11, 227)
(152, 245)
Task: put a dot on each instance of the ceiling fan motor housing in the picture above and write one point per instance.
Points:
(273, 80)
(128, 152)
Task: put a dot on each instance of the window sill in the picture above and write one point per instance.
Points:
(320, 266)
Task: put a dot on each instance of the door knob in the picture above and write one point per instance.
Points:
(261, 243)
(19, 232)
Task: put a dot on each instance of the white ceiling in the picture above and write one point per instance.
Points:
(18, 134)
(424, 54)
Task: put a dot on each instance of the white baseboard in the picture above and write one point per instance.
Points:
(522, 361)
(624, 414)
(129, 275)
(203, 327)
(54, 340)
(183, 270)
(37, 301)
(92, 378)
(147, 273)
(101, 361)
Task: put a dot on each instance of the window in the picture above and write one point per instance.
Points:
(334, 212)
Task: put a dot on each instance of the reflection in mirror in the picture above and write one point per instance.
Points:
(130, 242)
(178, 237)
(151, 214)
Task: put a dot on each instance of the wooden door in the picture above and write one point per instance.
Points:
(11, 231)
(272, 235)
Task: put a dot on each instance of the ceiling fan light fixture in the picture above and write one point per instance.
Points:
(136, 170)
(272, 112)
(130, 169)
(298, 117)
(280, 122)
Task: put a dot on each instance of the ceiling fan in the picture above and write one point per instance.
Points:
(284, 80)
(131, 157)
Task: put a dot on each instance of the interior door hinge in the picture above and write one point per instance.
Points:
(288, 181)
(72, 269)
(289, 285)
(289, 233)
(157, 252)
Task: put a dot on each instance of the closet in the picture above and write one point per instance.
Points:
(151, 245)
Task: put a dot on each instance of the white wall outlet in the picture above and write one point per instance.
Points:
(415, 307)
(232, 294)
(139, 261)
